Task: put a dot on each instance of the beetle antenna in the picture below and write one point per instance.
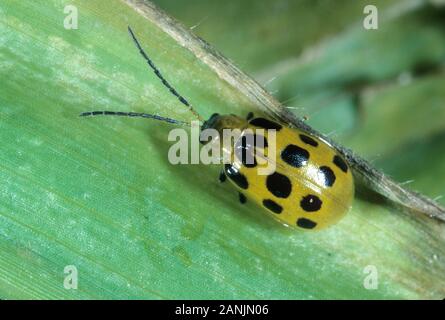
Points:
(134, 114)
(161, 77)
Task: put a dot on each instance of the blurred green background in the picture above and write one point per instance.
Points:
(99, 194)
(384, 87)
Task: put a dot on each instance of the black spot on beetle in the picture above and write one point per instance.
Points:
(308, 140)
(254, 140)
(236, 176)
(326, 176)
(246, 157)
(272, 206)
(279, 185)
(245, 148)
(265, 123)
(295, 156)
(339, 162)
(244, 151)
(260, 141)
(310, 203)
(306, 223)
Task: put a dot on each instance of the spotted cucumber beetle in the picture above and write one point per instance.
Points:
(312, 186)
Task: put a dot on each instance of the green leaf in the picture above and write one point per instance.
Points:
(100, 194)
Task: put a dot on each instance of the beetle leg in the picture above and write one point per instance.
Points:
(242, 198)
(222, 176)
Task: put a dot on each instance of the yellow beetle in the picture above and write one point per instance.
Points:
(311, 186)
